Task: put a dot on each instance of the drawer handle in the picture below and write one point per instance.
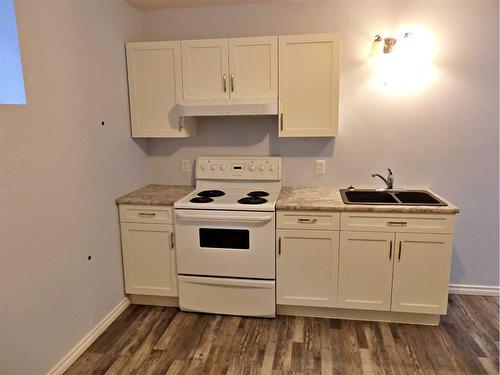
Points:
(397, 223)
(147, 214)
(307, 221)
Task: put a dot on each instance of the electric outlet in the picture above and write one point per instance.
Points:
(320, 167)
(186, 166)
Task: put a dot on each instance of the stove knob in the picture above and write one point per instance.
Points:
(222, 167)
(252, 167)
(213, 167)
(262, 167)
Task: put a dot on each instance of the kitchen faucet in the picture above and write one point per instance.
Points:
(389, 181)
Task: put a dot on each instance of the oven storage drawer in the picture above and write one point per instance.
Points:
(227, 296)
(146, 214)
(316, 220)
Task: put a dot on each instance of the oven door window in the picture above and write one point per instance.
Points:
(225, 238)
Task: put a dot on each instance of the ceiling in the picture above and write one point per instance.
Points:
(164, 4)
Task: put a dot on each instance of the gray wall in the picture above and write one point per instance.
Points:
(60, 172)
(444, 137)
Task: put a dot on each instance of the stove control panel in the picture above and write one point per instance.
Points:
(238, 168)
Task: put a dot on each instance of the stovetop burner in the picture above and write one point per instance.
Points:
(258, 194)
(211, 193)
(201, 200)
(252, 200)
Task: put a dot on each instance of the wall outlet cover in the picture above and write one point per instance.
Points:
(186, 166)
(320, 167)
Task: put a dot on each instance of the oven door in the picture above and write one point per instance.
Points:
(225, 243)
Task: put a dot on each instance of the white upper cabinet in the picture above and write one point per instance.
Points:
(221, 70)
(205, 70)
(253, 68)
(309, 85)
(155, 88)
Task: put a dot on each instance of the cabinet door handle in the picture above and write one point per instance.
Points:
(147, 214)
(232, 82)
(390, 251)
(224, 82)
(397, 223)
(307, 221)
(172, 240)
(180, 123)
(279, 245)
(399, 253)
(281, 121)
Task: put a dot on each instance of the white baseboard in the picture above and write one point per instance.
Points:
(474, 290)
(83, 345)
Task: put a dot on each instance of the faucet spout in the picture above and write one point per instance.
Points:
(389, 181)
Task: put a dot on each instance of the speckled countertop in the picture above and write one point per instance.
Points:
(291, 198)
(162, 195)
(329, 199)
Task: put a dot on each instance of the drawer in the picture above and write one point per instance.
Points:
(146, 214)
(410, 223)
(316, 220)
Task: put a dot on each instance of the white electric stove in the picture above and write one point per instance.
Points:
(225, 232)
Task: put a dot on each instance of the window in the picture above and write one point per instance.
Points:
(11, 71)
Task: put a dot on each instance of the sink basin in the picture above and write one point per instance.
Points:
(361, 196)
(390, 197)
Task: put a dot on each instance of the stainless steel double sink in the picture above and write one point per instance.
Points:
(390, 197)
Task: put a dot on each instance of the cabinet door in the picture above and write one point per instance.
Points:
(365, 270)
(253, 64)
(307, 263)
(421, 273)
(309, 85)
(205, 70)
(149, 259)
(155, 88)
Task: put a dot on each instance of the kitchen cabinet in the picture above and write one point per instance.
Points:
(421, 273)
(307, 258)
(365, 270)
(364, 265)
(253, 64)
(394, 270)
(219, 70)
(307, 264)
(148, 253)
(309, 85)
(205, 69)
(155, 88)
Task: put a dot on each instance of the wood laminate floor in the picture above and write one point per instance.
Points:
(163, 340)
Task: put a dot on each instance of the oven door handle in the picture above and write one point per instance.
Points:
(225, 218)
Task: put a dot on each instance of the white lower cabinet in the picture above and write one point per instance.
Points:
(307, 263)
(421, 273)
(401, 272)
(368, 265)
(365, 270)
(149, 259)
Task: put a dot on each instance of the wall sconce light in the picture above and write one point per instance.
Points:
(388, 44)
(402, 62)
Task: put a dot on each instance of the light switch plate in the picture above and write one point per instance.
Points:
(320, 167)
(186, 166)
